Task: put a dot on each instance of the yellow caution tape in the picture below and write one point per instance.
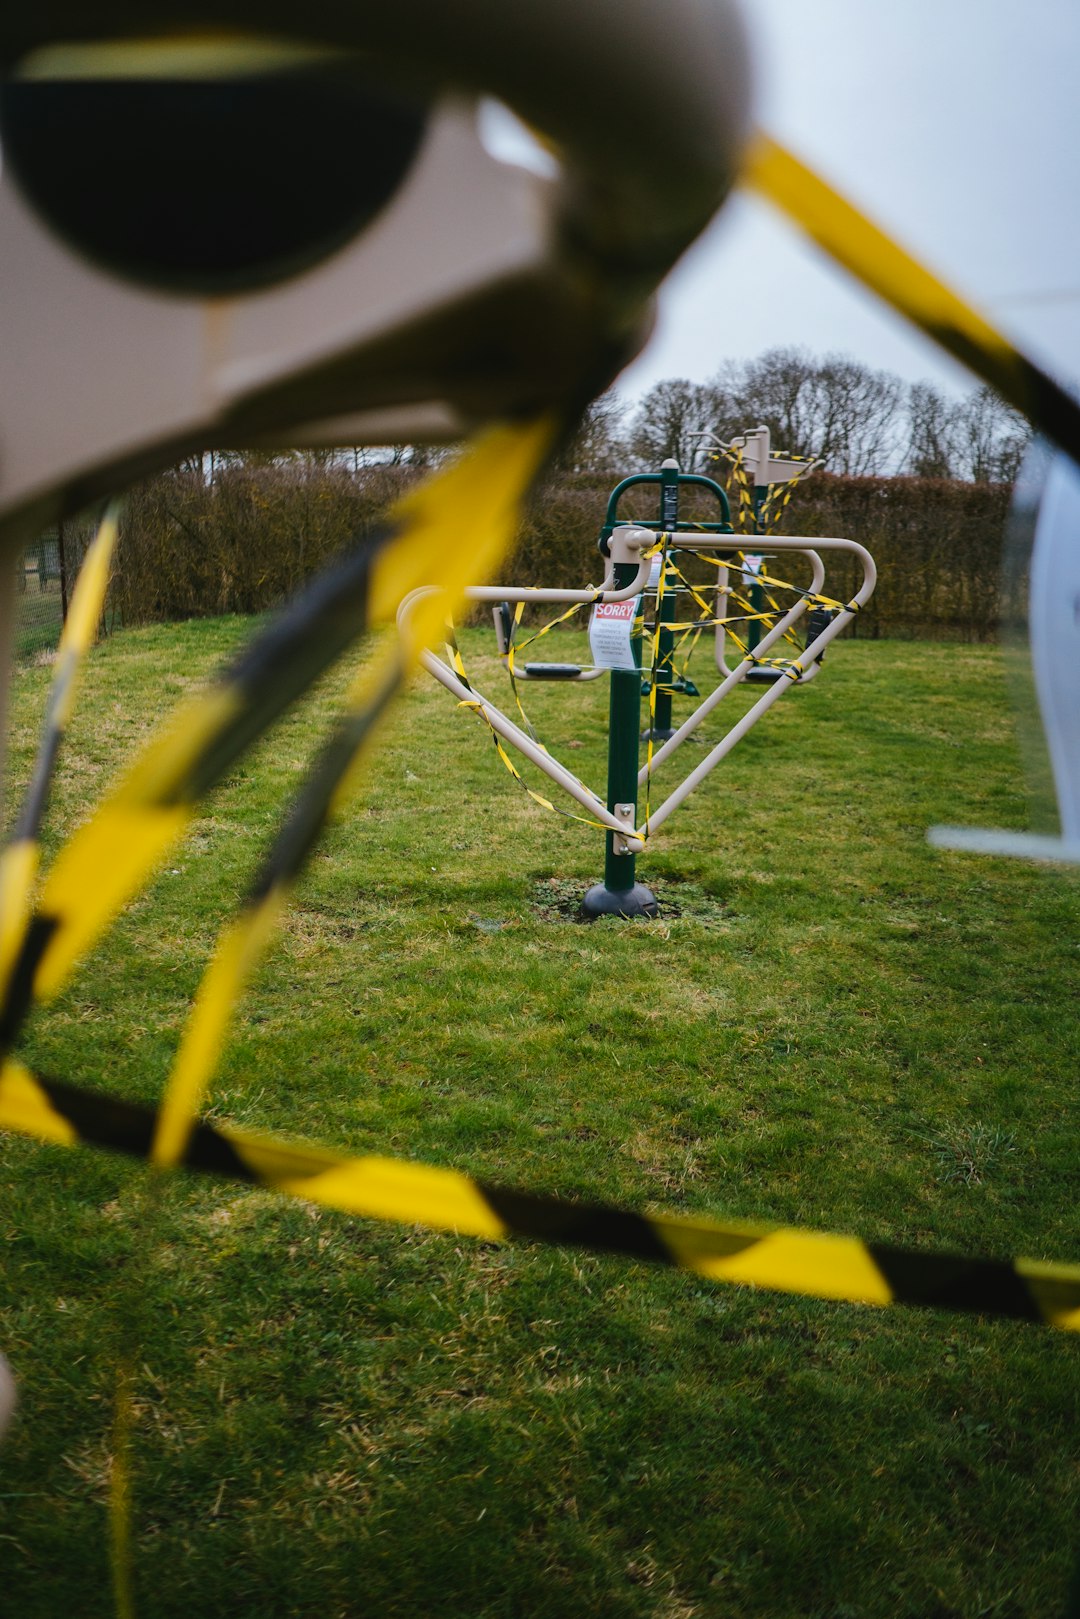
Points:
(891, 272)
(18, 872)
(480, 495)
(780, 495)
(477, 707)
(237, 954)
(20, 859)
(811, 1264)
(108, 859)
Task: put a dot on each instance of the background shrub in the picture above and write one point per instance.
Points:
(241, 542)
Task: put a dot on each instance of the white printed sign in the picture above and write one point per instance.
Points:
(610, 630)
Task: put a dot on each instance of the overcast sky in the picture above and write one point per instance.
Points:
(956, 124)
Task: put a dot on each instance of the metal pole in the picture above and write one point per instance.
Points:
(620, 894)
(669, 521)
(756, 594)
(517, 738)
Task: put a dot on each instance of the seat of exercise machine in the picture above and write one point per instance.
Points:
(552, 671)
(764, 674)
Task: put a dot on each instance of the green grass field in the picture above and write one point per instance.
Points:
(833, 1025)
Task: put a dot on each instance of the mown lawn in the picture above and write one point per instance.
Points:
(833, 1024)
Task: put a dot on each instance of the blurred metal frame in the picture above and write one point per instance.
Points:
(479, 291)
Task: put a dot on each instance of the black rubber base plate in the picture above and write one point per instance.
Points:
(628, 902)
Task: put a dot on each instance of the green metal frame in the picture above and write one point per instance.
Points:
(612, 520)
(670, 480)
(620, 892)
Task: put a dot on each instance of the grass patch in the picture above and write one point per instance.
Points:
(830, 1024)
(968, 1153)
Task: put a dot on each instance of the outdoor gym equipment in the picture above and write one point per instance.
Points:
(120, 359)
(739, 605)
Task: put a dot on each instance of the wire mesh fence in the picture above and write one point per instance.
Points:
(40, 580)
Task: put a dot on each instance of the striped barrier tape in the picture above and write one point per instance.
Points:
(477, 707)
(857, 244)
(810, 1264)
(515, 647)
(747, 516)
(654, 666)
(21, 857)
(116, 851)
(780, 495)
(484, 488)
(112, 855)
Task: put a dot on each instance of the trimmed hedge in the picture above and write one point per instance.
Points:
(194, 549)
(245, 541)
(937, 545)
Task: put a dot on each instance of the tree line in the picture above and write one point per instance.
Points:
(864, 422)
(920, 478)
(246, 539)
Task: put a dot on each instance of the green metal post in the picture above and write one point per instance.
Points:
(620, 894)
(662, 727)
(756, 594)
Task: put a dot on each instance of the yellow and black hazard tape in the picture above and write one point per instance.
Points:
(515, 648)
(746, 517)
(110, 857)
(862, 248)
(654, 672)
(781, 495)
(116, 852)
(107, 859)
(813, 598)
(20, 858)
(687, 635)
(763, 519)
(245, 937)
(811, 1264)
(243, 940)
(477, 707)
(77, 635)
(513, 652)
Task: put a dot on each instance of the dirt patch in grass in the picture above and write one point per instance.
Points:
(558, 899)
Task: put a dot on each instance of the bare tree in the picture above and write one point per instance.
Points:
(931, 437)
(991, 438)
(863, 421)
(979, 438)
(833, 406)
(596, 446)
(778, 390)
(419, 457)
(668, 419)
(860, 411)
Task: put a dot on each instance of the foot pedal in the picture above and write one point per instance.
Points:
(818, 619)
(552, 671)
